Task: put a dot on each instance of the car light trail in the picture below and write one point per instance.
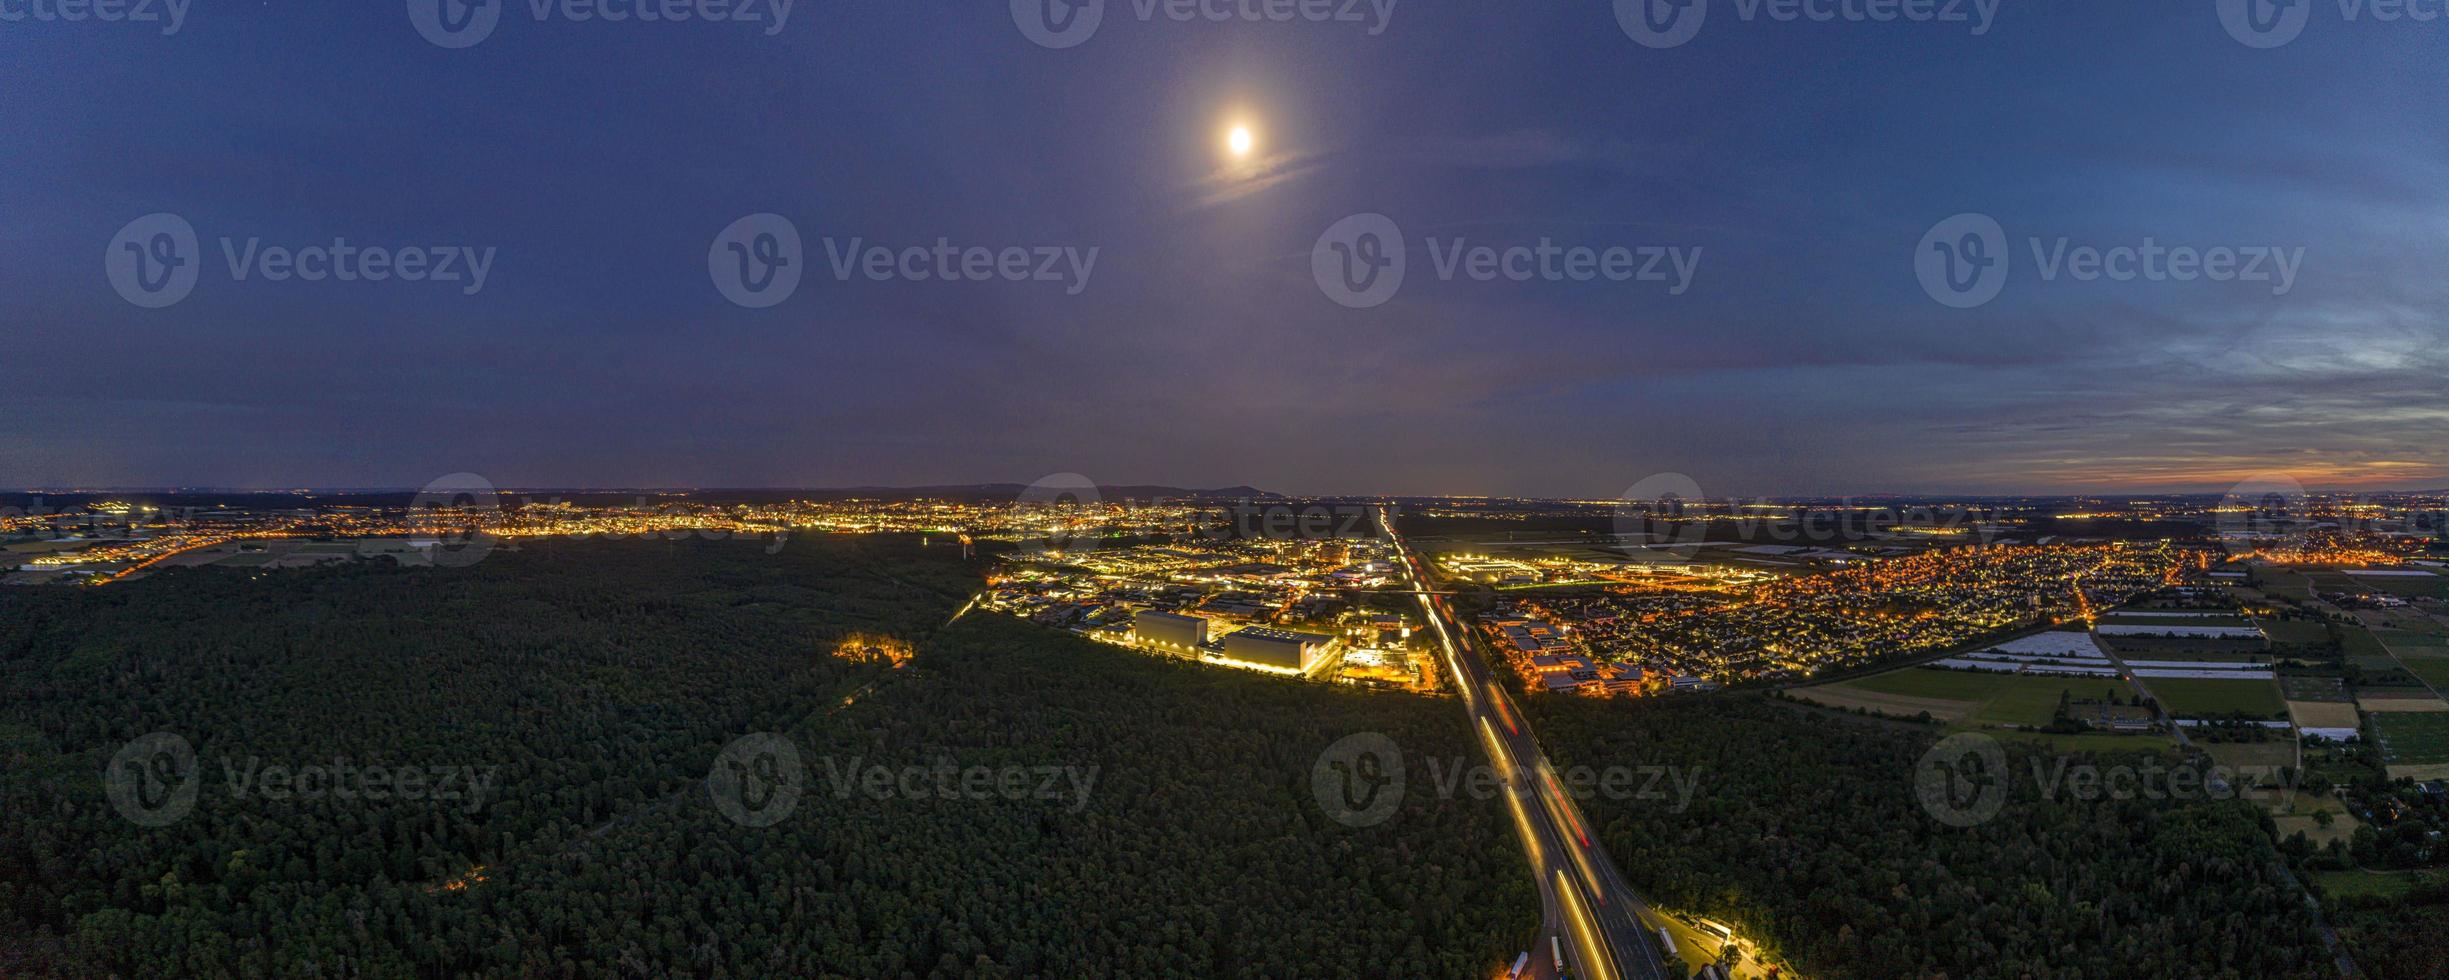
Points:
(1594, 965)
(1556, 801)
(1522, 824)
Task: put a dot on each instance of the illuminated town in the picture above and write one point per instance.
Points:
(1687, 599)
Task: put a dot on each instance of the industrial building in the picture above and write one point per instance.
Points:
(1281, 650)
(1169, 632)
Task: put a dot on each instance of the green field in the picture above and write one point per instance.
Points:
(2294, 631)
(2287, 584)
(2301, 688)
(2342, 884)
(2364, 650)
(2412, 738)
(2400, 585)
(2198, 697)
(2433, 670)
(2088, 742)
(1999, 699)
(2172, 622)
(2229, 656)
(2403, 640)
(1952, 685)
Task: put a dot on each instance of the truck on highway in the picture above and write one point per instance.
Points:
(1521, 963)
(1666, 941)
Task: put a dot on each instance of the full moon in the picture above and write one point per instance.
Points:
(1239, 141)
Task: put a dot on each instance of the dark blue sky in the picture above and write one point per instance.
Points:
(1805, 162)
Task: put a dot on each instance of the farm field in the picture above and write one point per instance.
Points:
(2434, 670)
(2324, 714)
(2298, 687)
(2341, 884)
(2254, 756)
(2086, 742)
(2412, 739)
(1848, 697)
(2169, 618)
(2413, 641)
(2403, 585)
(2194, 697)
(2363, 648)
(2294, 631)
(2183, 648)
(1998, 699)
(2297, 814)
(2398, 702)
(2292, 585)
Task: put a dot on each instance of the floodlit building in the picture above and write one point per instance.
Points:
(1170, 632)
(1279, 649)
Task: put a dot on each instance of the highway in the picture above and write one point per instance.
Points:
(1601, 926)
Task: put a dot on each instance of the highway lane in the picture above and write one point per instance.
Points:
(1589, 911)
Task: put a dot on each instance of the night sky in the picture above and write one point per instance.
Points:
(1805, 161)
